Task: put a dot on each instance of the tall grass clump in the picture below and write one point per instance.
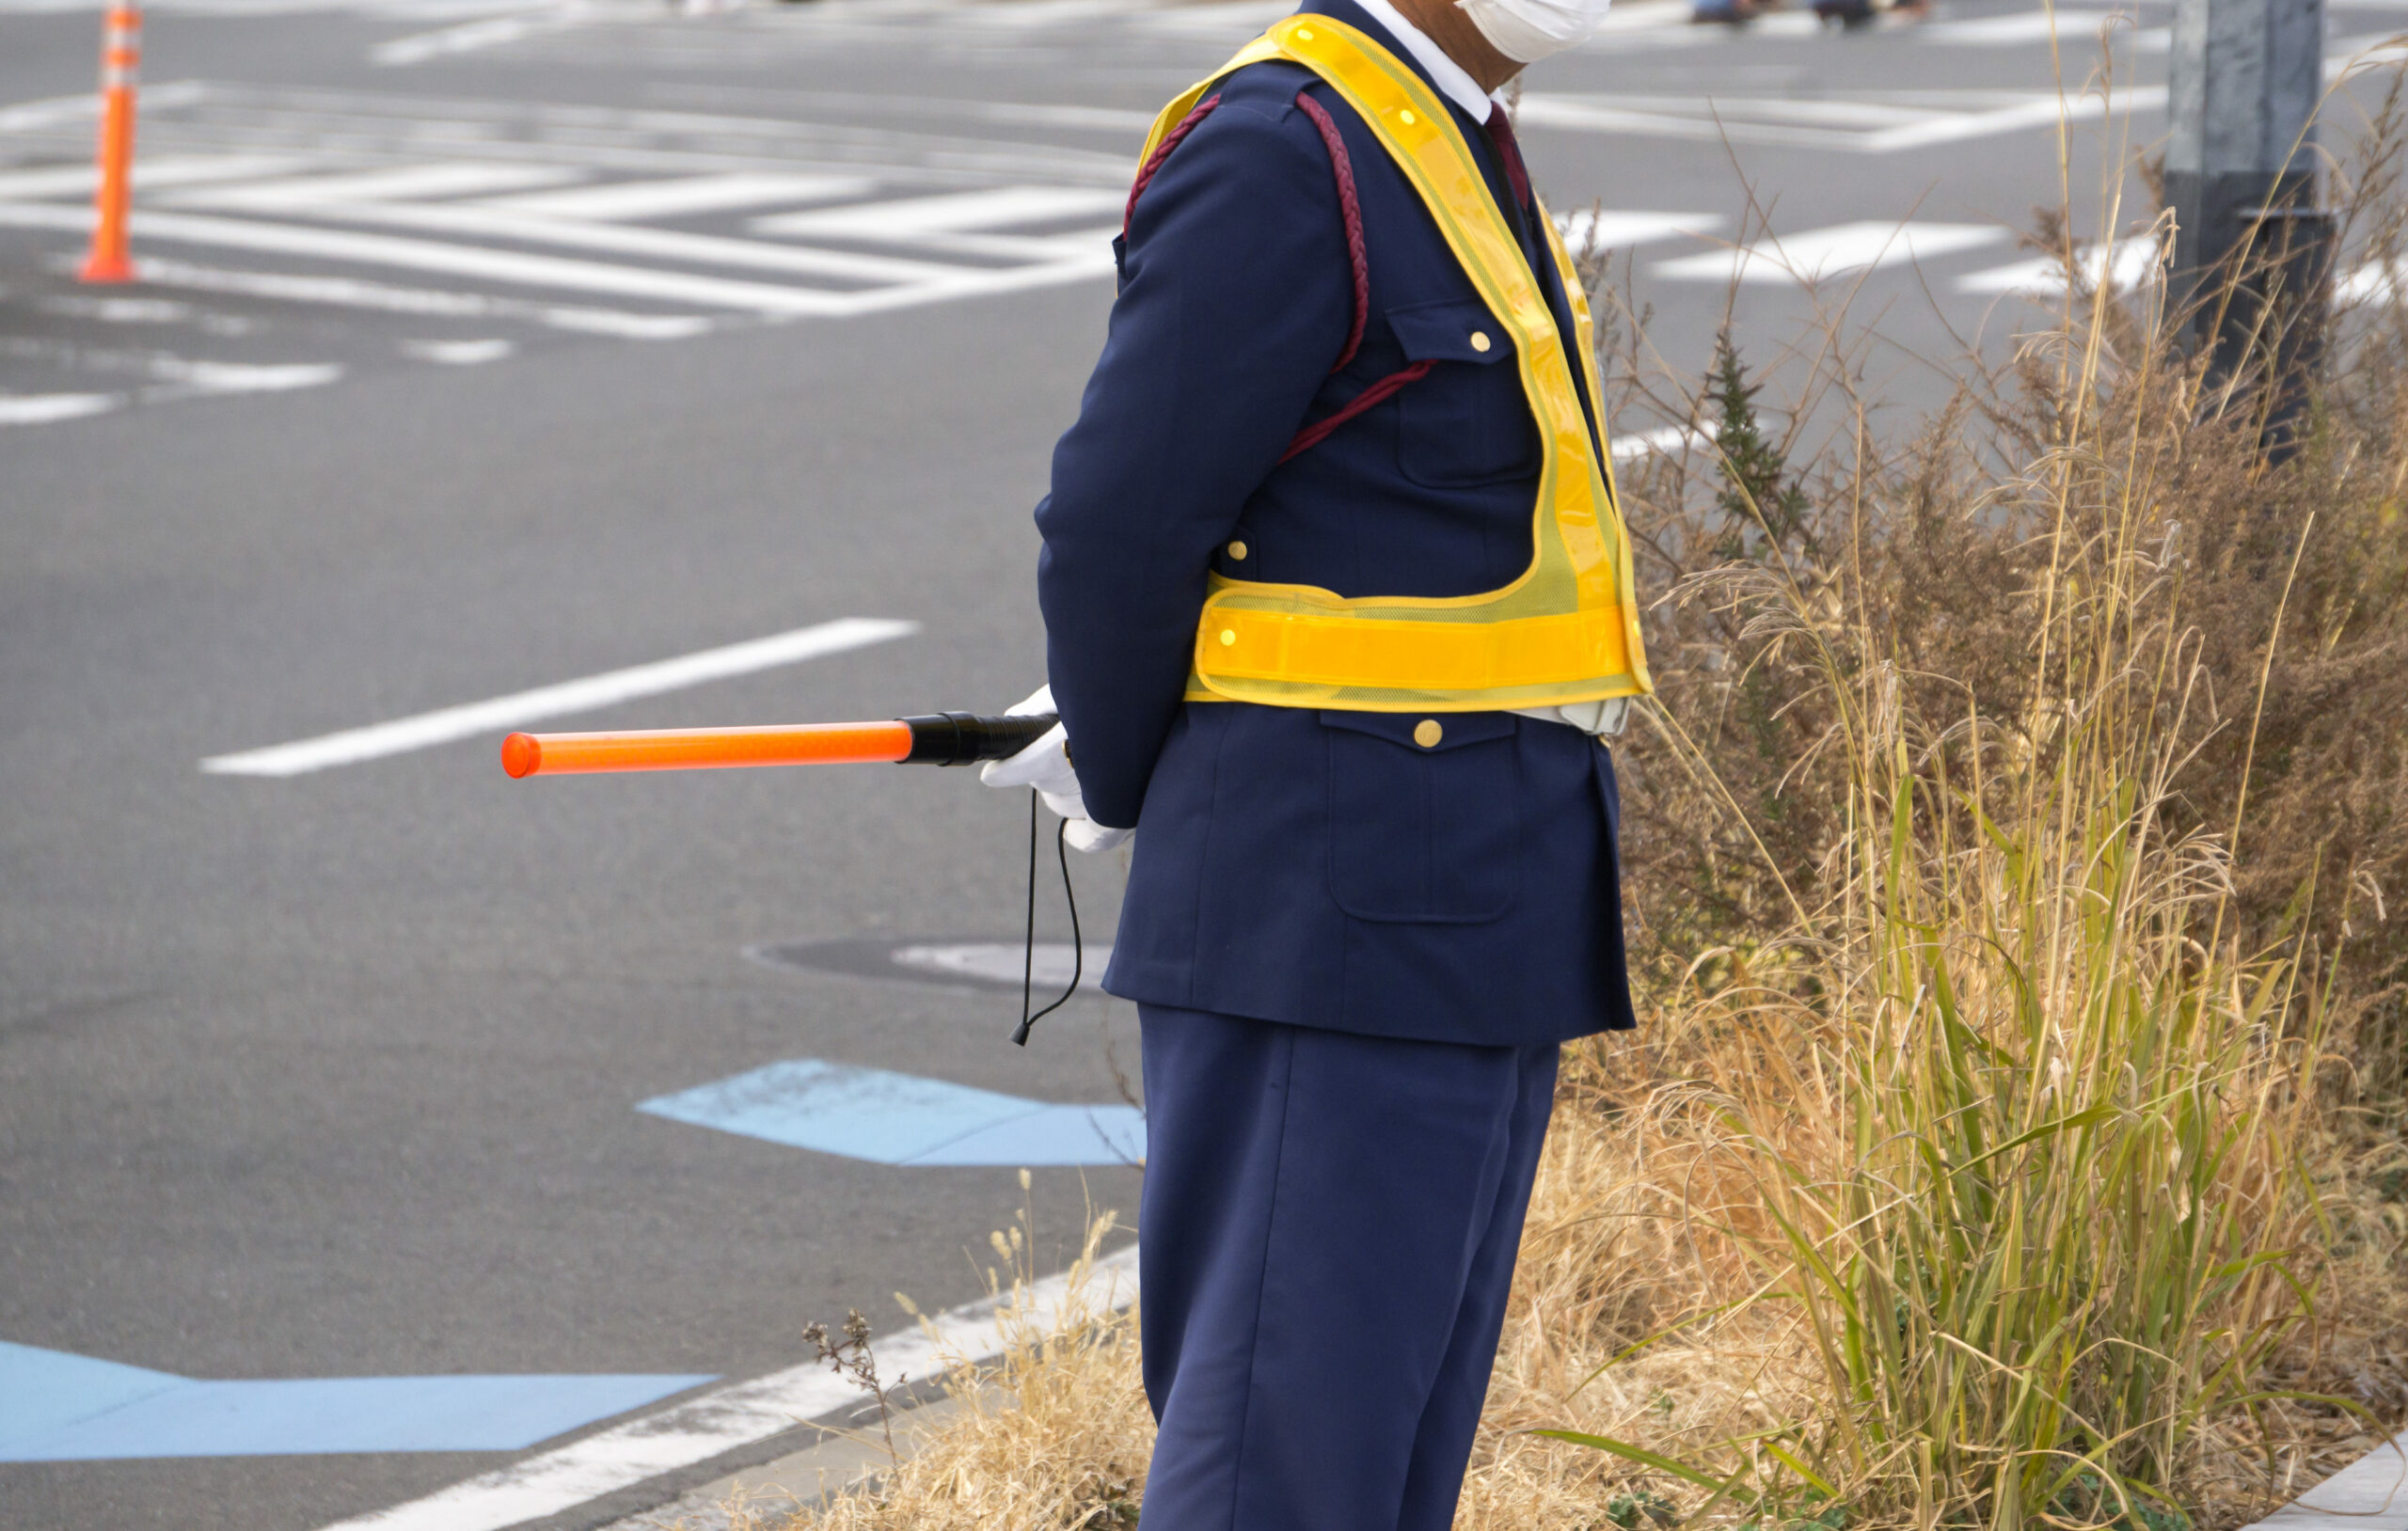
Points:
(2012, 1129)
(2023, 808)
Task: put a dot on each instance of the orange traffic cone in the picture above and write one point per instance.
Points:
(121, 65)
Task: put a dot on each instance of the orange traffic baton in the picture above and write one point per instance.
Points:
(944, 738)
(948, 738)
(121, 66)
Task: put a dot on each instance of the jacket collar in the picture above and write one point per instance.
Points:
(1386, 36)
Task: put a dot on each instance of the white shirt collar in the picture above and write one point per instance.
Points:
(1450, 76)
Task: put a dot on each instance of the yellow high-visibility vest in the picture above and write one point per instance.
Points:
(1565, 631)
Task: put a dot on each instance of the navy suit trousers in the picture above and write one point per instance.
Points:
(1326, 1241)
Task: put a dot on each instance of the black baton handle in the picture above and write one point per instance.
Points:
(965, 739)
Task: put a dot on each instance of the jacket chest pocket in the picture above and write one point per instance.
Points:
(1467, 423)
(1424, 816)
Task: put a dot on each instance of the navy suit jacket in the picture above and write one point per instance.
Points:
(1317, 868)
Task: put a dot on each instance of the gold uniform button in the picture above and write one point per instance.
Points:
(1480, 339)
(1237, 551)
(1228, 638)
(1405, 118)
(1304, 34)
(1427, 733)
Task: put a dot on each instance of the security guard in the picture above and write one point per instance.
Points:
(1336, 596)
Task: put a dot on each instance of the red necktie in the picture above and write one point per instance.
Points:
(1500, 131)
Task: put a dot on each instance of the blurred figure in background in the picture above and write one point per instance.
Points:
(1848, 13)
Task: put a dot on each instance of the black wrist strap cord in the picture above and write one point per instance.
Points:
(1028, 945)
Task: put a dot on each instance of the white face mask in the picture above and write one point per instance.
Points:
(1527, 31)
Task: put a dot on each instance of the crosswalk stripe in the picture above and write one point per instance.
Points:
(1668, 439)
(1592, 229)
(2131, 263)
(180, 374)
(2019, 27)
(49, 408)
(913, 217)
(513, 266)
(468, 37)
(354, 293)
(2041, 112)
(148, 174)
(1835, 251)
(680, 197)
(293, 194)
(472, 221)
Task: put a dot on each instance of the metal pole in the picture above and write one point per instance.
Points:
(2253, 246)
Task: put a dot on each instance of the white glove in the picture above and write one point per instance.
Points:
(1046, 766)
(1601, 719)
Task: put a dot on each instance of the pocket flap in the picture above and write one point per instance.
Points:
(1455, 729)
(1450, 331)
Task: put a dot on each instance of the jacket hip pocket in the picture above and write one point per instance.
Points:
(1424, 816)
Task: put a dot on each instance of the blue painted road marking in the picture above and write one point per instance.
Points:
(890, 1118)
(56, 1407)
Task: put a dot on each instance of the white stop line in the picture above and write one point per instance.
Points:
(445, 724)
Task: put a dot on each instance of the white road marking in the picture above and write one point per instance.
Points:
(2369, 51)
(1066, 262)
(1823, 252)
(2131, 263)
(627, 141)
(84, 106)
(726, 1418)
(1101, 118)
(1594, 229)
(473, 221)
(446, 724)
(682, 195)
(912, 219)
(117, 310)
(1762, 120)
(1666, 439)
(173, 376)
(2020, 26)
(2041, 112)
(353, 293)
(45, 408)
(458, 353)
(396, 183)
(2374, 282)
(1883, 122)
(513, 266)
(469, 36)
(241, 377)
(149, 175)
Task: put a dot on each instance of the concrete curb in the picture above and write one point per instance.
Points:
(641, 1462)
(2370, 1495)
(800, 1480)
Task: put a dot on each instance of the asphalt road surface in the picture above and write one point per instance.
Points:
(484, 348)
